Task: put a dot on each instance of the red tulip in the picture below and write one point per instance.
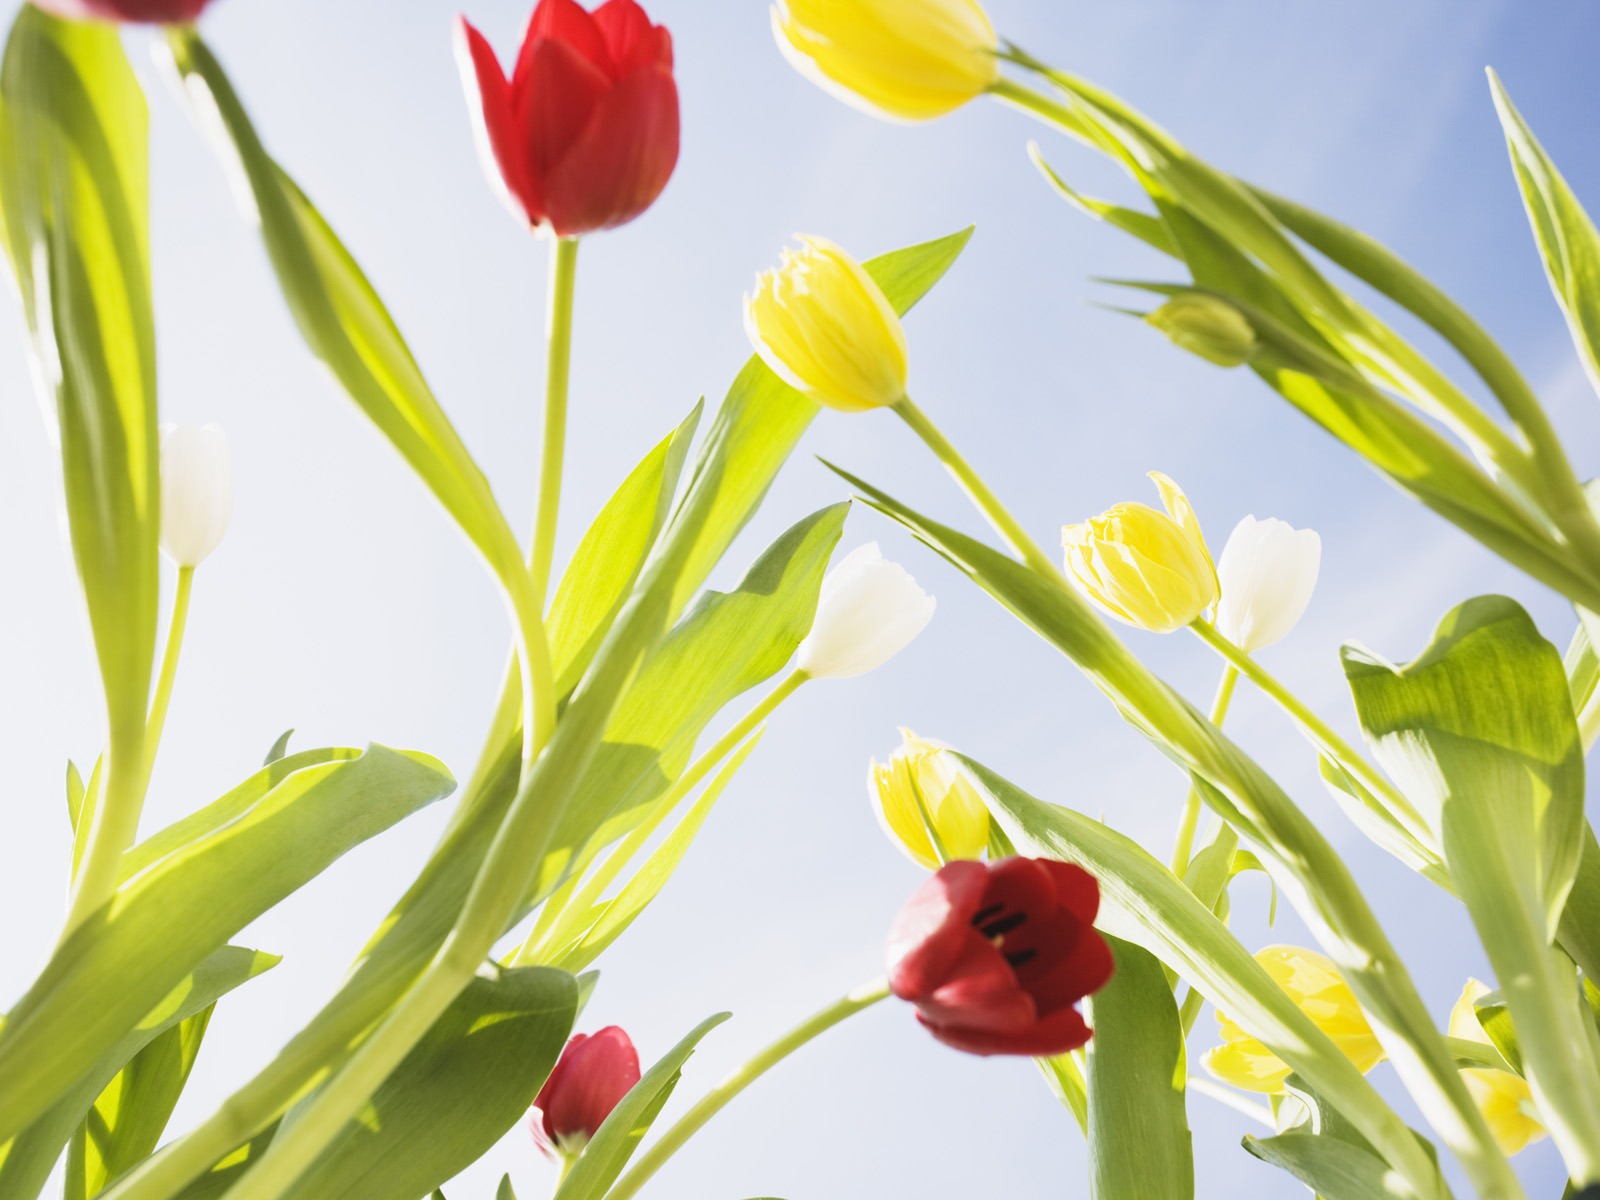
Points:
(148, 12)
(592, 1076)
(584, 135)
(995, 956)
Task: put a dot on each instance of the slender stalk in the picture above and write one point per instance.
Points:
(1184, 846)
(1233, 1100)
(169, 667)
(714, 1101)
(558, 380)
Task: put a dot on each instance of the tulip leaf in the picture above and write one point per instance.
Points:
(618, 1137)
(1333, 1169)
(1494, 1018)
(503, 1192)
(1139, 1142)
(280, 748)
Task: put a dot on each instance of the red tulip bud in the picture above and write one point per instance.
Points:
(584, 135)
(997, 955)
(147, 12)
(592, 1076)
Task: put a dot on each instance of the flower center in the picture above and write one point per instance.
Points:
(995, 923)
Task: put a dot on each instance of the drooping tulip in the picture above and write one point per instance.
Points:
(584, 134)
(590, 1079)
(1207, 326)
(826, 328)
(1267, 573)
(920, 788)
(1318, 990)
(139, 12)
(868, 611)
(907, 59)
(996, 956)
(1504, 1099)
(1144, 567)
(196, 491)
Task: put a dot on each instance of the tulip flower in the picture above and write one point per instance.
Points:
(906, 59)
(141, 12)
(996, 956)
(1145, 568)
(921, 789)
(1504, 1099)
(196, 492)
(1319, 991)
(1267, 573)
(1208, 326)
(868, 611)
(584, 134)
(826, 328)
(592, 1076)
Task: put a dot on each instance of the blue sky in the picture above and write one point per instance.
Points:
(343, 604)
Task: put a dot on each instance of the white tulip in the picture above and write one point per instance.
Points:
(1267, 570)
(869, 610)
(196, 491)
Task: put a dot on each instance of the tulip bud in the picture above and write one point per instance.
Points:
(826, 328)
(584, 135)
(142, 12)
(1208, 326)
(1145, 568)
(921, 788)
(869, 610)
(906, 59)
(196, 492)
(592, 1076)
(1319, 991)
(1505, 1099)
(1267, 573)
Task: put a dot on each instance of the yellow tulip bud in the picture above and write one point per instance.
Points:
(1319, 991)
(1208, 326)
(826, 328)
(907, 59)
(1504, 1099)
(920, 788)
(1147, 568)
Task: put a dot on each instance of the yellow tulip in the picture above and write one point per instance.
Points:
(918, 788)
(907, 59)
(1319, 991)
(1504, 1099)
(826, 328)
(1144, 567)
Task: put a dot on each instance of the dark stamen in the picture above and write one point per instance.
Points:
(1017, 958)
(978, 918)
(1004, 925)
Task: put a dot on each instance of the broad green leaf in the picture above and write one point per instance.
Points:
(617, 1139)
(216, 1182)
(1139, 1144)
(1333, 1169)
(117, 967)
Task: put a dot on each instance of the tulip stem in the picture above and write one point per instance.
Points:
(1184, 847)
(718, 1097)
(557, 384)
(988, 503)
(169, 667)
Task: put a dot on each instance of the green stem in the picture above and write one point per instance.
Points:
(988, 503)
(718, 1097)
(558, 380)
(1184, 846)
(169, 667)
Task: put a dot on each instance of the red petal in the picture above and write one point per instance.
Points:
(555, 103)
(931, 930)
(631, 39)
(494, 123)
(623, 159)
(593, 1076)
(1056, 1034)
(1077, 891)
(1080, 966)
(1021, 885)
(563, 21)
(980, 992)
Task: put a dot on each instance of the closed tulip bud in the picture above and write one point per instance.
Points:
(921, 789)
(1504, 1099)
(868, 611)
(907, 59)
(1144, 567)
(196, 492)
(1319, 991)
(826, 328)
(1267, 573)
(1208, 326)
(590, 1079)
(137, 12)
(584, 134)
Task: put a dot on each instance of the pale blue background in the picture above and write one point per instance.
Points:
(343, 604)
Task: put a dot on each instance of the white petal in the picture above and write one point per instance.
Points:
(196, 491)
(868, 611)
(1268, 571)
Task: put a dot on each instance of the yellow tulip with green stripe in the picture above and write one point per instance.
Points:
(1504, 1099)
(919, 795)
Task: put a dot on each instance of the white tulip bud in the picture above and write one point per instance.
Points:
(869, 610)
(1268, 571)
(196, 491)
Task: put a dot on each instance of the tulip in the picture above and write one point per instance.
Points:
(1146, 568)
(584, 135)
(592, 1076)
(997, 955)
(906, 59)
(1267, 573)
(1504, 1099)
(142, 12)
(1208, 326)
(1319, 991)
(826, 328)
(921, 789)
(869, 610)
(196, 492)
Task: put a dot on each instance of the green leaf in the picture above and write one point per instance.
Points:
(503, 1192)
(1494, 1016)
(604, 1158)
(1139, 1143)
(163, 922)
(75, 794)
(280, 748)
(1333, 1169)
